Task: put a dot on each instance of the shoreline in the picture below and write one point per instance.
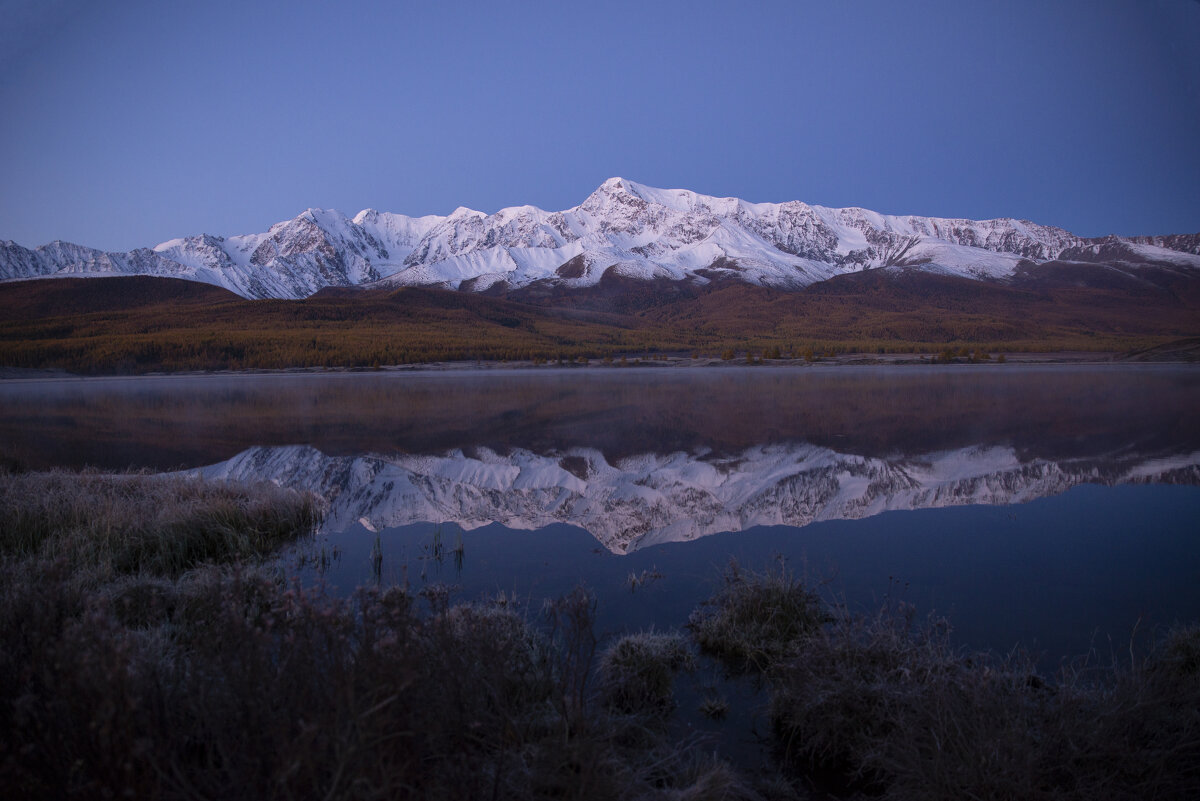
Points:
(1049, 358)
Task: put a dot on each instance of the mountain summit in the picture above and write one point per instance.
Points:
(622, 228)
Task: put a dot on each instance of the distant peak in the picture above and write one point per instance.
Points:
(308, 216)
(319, 214)
(618, 186)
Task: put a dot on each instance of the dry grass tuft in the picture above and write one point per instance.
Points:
(637, 672)
(756, 618)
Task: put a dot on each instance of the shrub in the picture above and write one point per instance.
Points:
(878, 705)
(637, 671)
(154, 677)
(837, 700)
(756, 618)
(248, 688)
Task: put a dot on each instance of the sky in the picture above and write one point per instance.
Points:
(129, 122)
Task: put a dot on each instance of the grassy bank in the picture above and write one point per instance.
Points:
(191, 673)
(111, 524)
(133, 665)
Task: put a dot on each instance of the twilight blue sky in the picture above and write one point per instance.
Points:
(128, 122)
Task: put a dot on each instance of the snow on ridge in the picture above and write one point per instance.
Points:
(643, 231)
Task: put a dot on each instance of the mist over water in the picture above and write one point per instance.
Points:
(192, 421)
(1051, 506)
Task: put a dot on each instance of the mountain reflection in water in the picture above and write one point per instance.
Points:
(639, 456)
(635, 456)
(648, 499)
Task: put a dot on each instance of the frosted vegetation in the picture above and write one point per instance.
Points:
(132, 666)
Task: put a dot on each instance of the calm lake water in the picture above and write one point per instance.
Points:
(1053, 507)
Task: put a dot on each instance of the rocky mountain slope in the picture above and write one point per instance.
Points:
(621, 229)
(647, 499)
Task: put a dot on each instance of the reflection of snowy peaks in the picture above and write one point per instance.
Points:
(650, 499)
(634, 230)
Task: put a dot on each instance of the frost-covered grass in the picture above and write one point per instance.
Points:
(114, 523)
(757, 618)
(144, 653)
(228, 684)
(876, 705)
(154, 677)
(637, 671)
(885, 705)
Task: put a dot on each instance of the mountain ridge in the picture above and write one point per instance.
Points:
(622, 228)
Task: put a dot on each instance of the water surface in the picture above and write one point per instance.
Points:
(1054, 506)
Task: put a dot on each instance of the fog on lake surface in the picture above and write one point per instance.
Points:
(1029, 502)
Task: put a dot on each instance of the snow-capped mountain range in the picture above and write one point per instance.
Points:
(647, 499)
(632, 230)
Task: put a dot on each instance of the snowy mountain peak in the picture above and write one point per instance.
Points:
(638, 230)
(678, 200)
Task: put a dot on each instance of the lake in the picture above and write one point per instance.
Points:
(1053, 507)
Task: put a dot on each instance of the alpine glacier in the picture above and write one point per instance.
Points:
(622, 228)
